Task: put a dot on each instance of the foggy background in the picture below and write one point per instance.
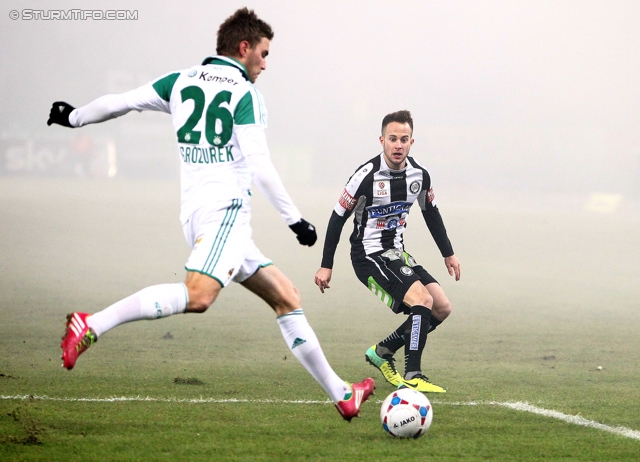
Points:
(526, 115)
(532, 97)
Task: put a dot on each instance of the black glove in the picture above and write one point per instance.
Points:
(306, 232)
(59, 114)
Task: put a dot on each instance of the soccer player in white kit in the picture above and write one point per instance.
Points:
(220, 120)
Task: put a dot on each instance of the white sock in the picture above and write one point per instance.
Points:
(305, 346)
(150, 303)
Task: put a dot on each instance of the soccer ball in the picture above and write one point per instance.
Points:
(406, 413)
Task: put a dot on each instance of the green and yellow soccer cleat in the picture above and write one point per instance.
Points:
(384, 365)
(421, 383)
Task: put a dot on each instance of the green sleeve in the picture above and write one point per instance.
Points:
(244, 113)
(164, 85)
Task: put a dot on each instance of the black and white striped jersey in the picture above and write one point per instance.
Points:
(380, 199)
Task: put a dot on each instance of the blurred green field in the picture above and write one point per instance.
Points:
(548, 293)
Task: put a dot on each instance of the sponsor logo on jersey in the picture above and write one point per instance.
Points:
(211, 155)
(383, 189)
(431, 196)
(347, 201)
(390, 222)
(414, 187)
(394, 208)
(216, 78)
(192, 73)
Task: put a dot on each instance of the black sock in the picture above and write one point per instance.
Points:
(415, 335)
(433, 323)
(395, 341)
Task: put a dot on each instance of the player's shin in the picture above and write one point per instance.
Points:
(395, 341)
(433, 323)
(416, 329)
(305, 346)
(150, 303)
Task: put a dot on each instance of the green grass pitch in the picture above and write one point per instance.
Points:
(547, 295)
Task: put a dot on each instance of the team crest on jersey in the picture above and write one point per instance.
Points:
(217, 140)
(347, 201)
(414, 187)
(431, 195)
(383, 189)
(406, 271)
(192, 73)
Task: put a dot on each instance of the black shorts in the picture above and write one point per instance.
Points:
(389, 274)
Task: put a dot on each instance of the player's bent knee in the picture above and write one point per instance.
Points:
(442, 310)
(425, 300)
(199, 301)
(199, 305)
(418, 295)
(203, 291)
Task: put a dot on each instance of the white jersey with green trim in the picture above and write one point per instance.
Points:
(220, 119)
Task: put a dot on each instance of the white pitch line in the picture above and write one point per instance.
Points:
(517, 406)
(572, 419)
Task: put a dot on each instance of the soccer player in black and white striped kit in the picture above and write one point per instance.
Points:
(379, 195)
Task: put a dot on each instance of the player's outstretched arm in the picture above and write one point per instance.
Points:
(107, 107)
(322, 278)
(453, 266)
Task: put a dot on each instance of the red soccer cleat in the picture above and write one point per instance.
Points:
(77, 338)
(350, 408)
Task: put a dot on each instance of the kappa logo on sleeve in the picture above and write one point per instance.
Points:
(347, 201)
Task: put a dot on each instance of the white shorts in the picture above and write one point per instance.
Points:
(220, 236)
